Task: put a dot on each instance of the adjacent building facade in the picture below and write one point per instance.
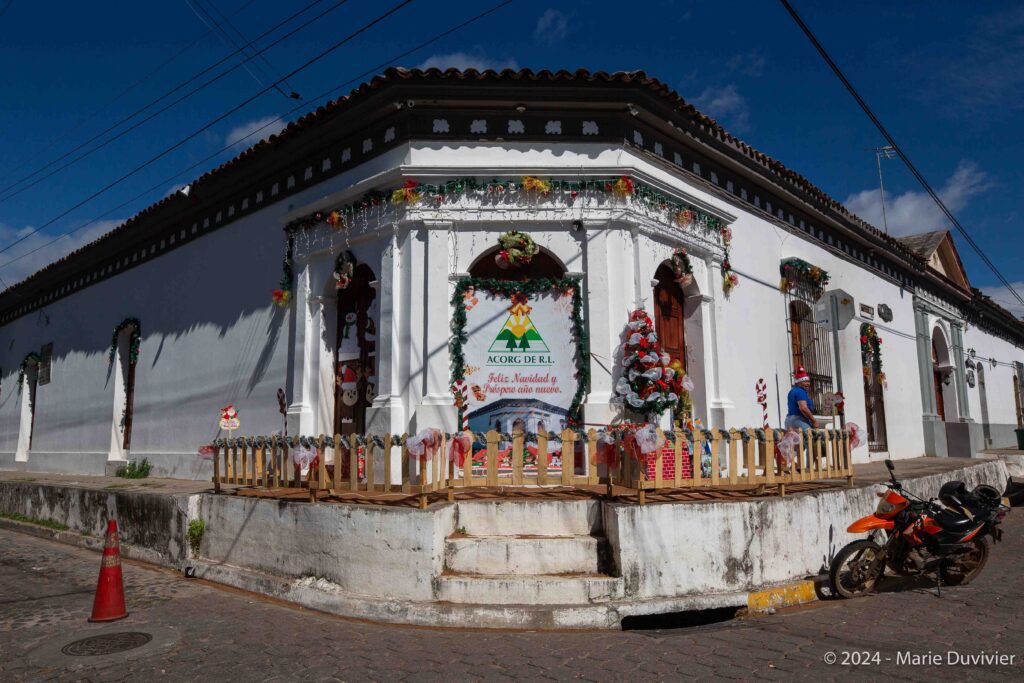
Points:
(331, 263)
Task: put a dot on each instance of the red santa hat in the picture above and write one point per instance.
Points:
(800, 376)
(348, 378)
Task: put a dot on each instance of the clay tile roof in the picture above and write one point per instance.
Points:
(708, 127)
(925, 243)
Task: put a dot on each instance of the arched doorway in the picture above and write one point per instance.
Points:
(874, 384)
(126, 355)
(678, 321)
(356, 347)
(942, 373)
(670, 314)
(28, 382)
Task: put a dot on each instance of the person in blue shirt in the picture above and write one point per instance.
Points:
(801, 408)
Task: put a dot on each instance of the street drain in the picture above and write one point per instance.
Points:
(673, 620)
(106, 644)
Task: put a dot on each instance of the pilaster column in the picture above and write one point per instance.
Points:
(924, 363)
(964, 406)
(719, 406)
(436, 407)
(387, 414)
(603, 287)
(302, 337)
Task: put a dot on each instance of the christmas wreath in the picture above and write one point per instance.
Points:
(517, 249)
(682, 269)
(649, 383)
(344, 269)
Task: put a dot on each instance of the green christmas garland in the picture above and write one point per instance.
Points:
(282, 296)
(135, 341)
(794, 270)
(411, 193)
(30, 357)
(506, 288)
(871, 351)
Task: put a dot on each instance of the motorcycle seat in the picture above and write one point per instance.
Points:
(953, 521)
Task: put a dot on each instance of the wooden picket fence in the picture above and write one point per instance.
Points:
(383, 464)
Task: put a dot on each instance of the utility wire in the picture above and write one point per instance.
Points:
(249, 63)
(89, 117)
(892, 142)
(269, 124)
(263, 58)
(163, 109)
(214, 121)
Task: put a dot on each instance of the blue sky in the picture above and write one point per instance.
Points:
(946, 78)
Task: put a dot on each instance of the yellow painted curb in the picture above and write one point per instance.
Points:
(781, 596)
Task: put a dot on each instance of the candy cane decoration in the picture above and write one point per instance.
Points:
(461, 391)
(762, 397)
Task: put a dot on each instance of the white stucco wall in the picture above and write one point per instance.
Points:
(210, 335)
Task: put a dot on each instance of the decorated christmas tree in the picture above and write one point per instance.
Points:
(649, 384)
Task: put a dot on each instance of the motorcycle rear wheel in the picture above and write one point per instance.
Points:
(965, 567)
(854, 570)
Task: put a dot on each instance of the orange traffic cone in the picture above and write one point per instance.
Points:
(109, 602)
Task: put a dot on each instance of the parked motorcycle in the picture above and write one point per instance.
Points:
(949, 541)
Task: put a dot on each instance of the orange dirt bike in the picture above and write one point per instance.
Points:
(921, 537)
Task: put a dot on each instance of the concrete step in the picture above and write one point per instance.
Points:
(500, 589)
(518, 555)
(529, 517)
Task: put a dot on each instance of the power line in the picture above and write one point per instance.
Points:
(892, 143)
(214, 121)
(263, 58)
(89, 117)
(204, 15)
(165, 108)
(269, 124)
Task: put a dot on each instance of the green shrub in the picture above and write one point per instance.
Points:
(134, 470)
(196, 528)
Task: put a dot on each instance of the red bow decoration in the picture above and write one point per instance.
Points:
(461, 445)
(607, 451)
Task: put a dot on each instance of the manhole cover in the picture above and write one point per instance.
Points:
(106, 644)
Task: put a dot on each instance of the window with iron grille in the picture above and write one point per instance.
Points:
(811, 344)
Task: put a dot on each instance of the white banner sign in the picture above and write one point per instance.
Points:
(520, 360)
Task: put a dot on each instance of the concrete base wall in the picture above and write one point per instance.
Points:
(370, 551)
(683, 549)
(151, 526)
(388, 563)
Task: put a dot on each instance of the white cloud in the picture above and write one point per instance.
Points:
(552, 27)
(477, 59)
(747, 64)
(726, 105)
(914, 212)
(267, 126)
(23, 267)
(985, 74)
(1003, 297)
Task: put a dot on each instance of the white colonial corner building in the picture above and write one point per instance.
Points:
(331, 261)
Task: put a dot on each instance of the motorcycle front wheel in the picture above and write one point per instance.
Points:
(855, 569)
(963, 567)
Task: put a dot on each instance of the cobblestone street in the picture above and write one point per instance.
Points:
(204, 632)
